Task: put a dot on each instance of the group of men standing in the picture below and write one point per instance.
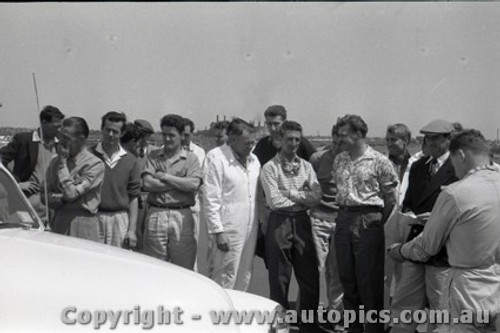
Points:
(336, 210)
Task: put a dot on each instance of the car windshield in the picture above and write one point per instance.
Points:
(15, 212)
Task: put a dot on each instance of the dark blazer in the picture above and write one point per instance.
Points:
(422, 191)
(24, 152)
(422, 194)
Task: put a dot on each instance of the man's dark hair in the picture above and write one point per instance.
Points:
(131, 133)
(189, 122)
(335, 130)
(290, 125)
(401, 131)
(114, 117)
(220, 125)
(275, 110)
(238, 125)
(79, 123)
(355, 122)
(49, 113)
(173, 120)
(471, 140)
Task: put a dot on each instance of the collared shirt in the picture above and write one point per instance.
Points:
(465, 220)
(183, 164)
(111, 161)
(229, 191)
(294, 191)
(322, 163)
(197, 150)
(440, 160)
(363, 181)
(403, 172)
(80, 181)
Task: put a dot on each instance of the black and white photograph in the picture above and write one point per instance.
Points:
(250, 167)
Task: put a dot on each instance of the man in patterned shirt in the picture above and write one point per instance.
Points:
(366, 194)
(291, 187)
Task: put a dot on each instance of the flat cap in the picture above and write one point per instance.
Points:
(437, 126)
(144, 125)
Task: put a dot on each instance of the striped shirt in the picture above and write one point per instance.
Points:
(294, 190)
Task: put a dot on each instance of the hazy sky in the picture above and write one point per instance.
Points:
(388, 62)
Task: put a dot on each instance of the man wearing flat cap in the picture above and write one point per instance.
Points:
(421, 285)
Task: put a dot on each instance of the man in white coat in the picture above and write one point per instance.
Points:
(230, 177)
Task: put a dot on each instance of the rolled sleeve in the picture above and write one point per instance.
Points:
(386, 176)
(193, 167)
(150, 167)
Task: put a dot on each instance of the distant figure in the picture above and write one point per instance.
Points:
(220, 132)
(121, 188)
(190, 145)
(172, 177)
(74, 180)
(464, 219)
(231, 174)
(323, 220)
(291, 188)
(366, 195)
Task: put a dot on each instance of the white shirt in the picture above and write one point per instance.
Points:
(197, 150)
(230, 190)
(112, 160)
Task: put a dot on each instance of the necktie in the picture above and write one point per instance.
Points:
(433, 167)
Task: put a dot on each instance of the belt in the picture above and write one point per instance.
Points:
(170, 206)
(360, 209)
(289, 212)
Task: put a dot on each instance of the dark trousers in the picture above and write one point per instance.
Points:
(359, 243)
(290, 244)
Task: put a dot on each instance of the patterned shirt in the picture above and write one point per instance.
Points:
(184, 164)
(293, 190)
(363, 181)
(79, 181)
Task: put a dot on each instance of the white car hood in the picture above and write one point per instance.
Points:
(43, 273)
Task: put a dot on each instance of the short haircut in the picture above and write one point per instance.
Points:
(79, 123)
(49, 113)
(173, 120)
(275, 110)
(401, 131)
(189, 122)
(221, 125)
(238, 125)
(114, 117)
(355, 122)
(471, 140)
(131, 132)
(290, 125)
